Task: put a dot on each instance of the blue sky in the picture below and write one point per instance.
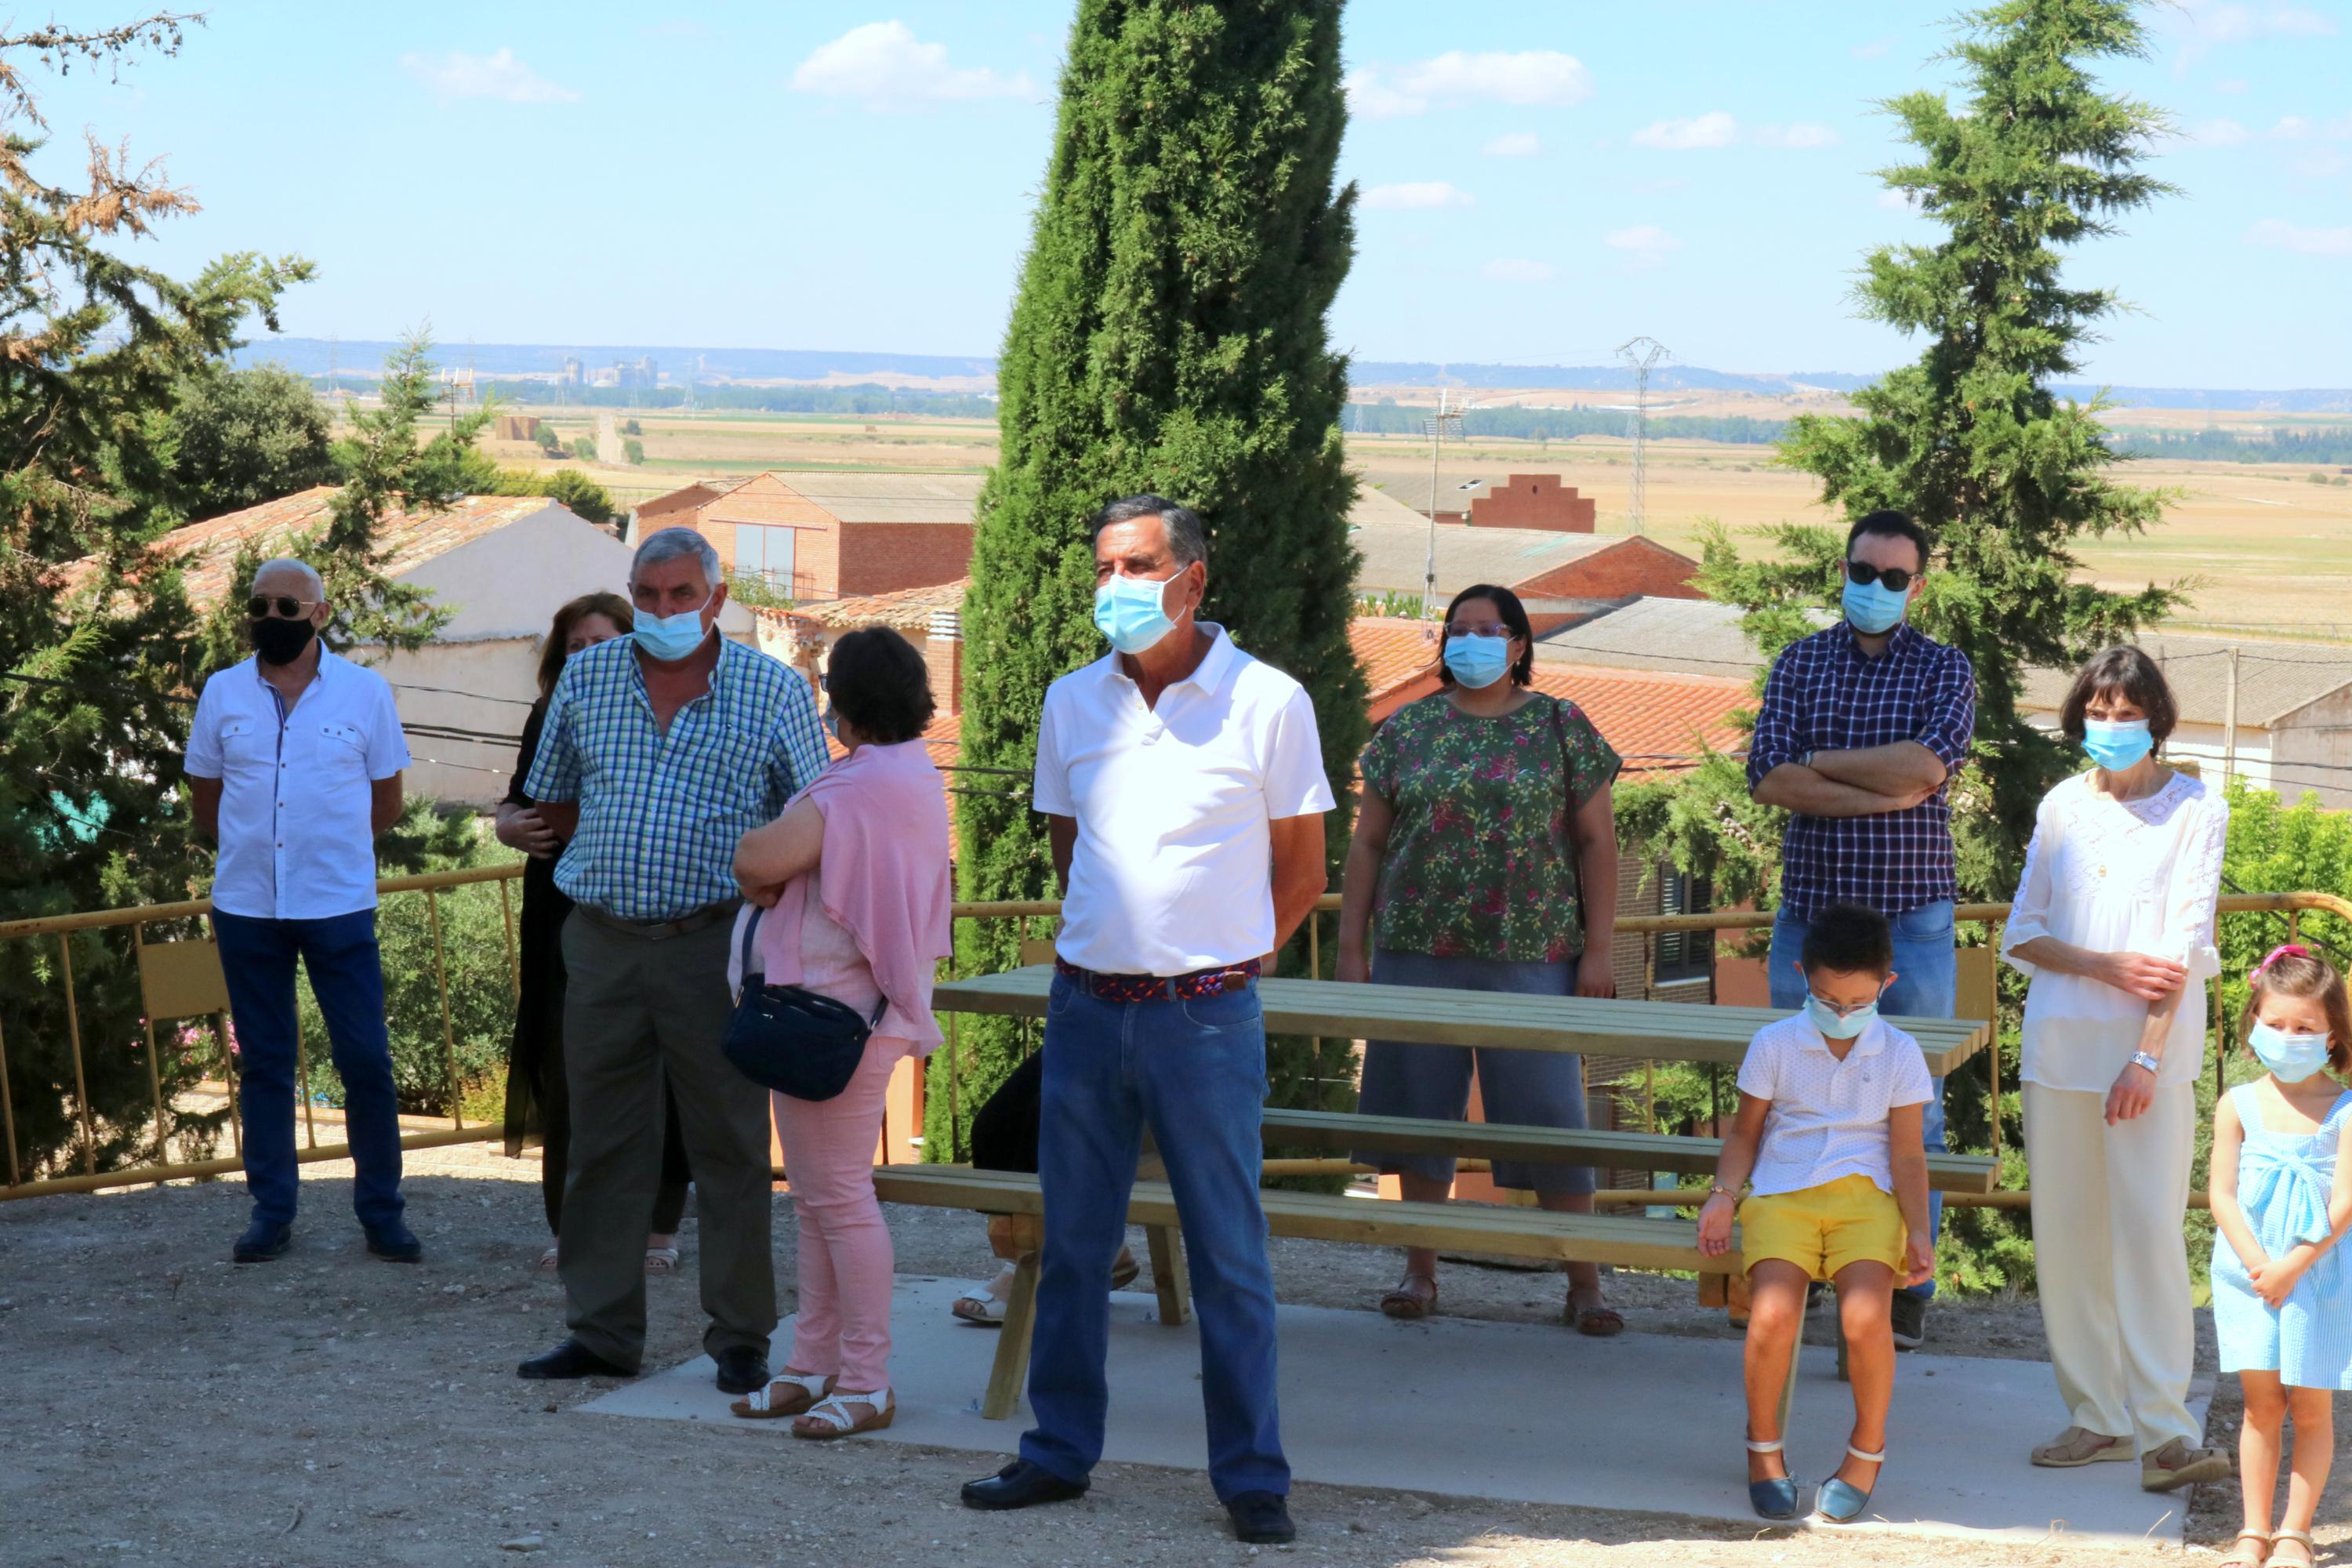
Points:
(1542, 179)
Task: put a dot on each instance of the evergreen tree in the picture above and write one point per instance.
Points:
(1168, 337)
(1970, 440)
(240, 438)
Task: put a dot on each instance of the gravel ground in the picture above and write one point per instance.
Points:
(159, 1406)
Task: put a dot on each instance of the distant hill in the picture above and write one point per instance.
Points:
(677, 364)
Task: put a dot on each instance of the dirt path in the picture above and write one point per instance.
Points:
(158, 1406)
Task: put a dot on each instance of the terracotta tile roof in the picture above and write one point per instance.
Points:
(1392, 651)
(1655, 719)
(207, 551)
(907, 609)
(943, 740)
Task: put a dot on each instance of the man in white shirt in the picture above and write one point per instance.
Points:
(1184, 790)
(294, 760)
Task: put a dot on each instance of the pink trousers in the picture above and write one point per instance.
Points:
(843, 1326)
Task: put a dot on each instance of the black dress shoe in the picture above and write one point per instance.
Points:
(742, 1370)
(262, 1241)
(1261, 1518)
(1020, 1485)
(570, 1359)
(394, 1243)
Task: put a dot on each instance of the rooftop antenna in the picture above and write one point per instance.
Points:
(1643, 355)
(1445, 424)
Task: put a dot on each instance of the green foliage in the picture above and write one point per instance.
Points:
(240, 438)
(1390, 417)
(1390, 602)
(633, 451)
(584, 449)
(574, 489)
(631, 428)
(95, 666)
(473, 952)
(1168, 336)
(548, 441)
(2218, 445)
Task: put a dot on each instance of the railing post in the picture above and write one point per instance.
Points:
(448, 1032)
(506, 911)
(8, 1115)
(229, 1066)
(82, 1079)
(302, 1074)
(154, 1068)
(1992, 937)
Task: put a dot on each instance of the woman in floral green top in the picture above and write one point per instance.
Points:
(1485, 859)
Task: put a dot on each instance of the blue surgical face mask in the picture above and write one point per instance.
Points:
(1873, 608)
(1132, 612)
(1478, 662)
(671, 637)
(1831, 1026)
(2116, 745)
(2291, 1059)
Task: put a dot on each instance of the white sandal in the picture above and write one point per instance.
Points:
(833, 1411)
(661, 1259)
(2301, 1538)
(547, 1259)
(986, 1308)
(767, 1404)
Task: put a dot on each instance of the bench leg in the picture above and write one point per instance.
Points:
(1169, 1276)
(1010, 1372)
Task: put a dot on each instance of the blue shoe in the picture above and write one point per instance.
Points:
(1775, 1499)
(1842, 1502)
(263, 1240)
(394, 1242)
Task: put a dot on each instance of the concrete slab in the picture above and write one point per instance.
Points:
(1522, 1413)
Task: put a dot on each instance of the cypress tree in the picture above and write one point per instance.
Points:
(1168, 336)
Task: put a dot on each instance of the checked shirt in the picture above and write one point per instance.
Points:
(1826, 695)
(659, 813)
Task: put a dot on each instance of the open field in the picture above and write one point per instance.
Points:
(2260, 544)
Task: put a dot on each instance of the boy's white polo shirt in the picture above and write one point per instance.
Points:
(1172, 868)
(297, 830)
(1828, 1118)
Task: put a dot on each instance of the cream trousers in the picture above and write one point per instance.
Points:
(2113, 1262)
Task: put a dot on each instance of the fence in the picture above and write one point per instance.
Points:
(181, 979)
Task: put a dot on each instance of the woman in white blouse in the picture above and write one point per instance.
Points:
(2114, 921)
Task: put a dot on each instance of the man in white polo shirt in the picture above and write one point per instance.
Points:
(1183, 791)
(294, 760)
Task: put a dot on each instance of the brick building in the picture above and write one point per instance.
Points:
(1577, 575)
(823, 536)
(1534, 501)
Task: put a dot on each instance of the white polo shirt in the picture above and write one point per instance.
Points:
(1829, 1117)
(297, 841)
(1173, 866)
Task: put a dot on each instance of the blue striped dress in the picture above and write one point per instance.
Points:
(2284, 1183)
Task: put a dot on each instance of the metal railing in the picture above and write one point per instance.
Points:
(134, 922)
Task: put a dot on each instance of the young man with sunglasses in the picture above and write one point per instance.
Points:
(294, 761)
(1860, 729)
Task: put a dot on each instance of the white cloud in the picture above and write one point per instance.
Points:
(1713, 129)
(2234, 84)
(2302, 128)
(2317, 163)
(884, 64)
(2204, 25)
(1717, 129)
(2295, 23)
(1419, 194)
(2217, 133)
(1529, 77)
(1513, 145)
(1899, 201)
(1518, 269)
(2282, 236)
(1870, 50)
(497, 74)
(1646, 245)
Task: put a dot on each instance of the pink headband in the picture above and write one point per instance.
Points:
(2287, 950)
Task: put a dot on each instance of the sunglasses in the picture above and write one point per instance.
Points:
(289, 608)
(1478, 629)
(1896, 578)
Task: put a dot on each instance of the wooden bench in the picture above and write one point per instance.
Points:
(1614, 1150)
(1619, 1240)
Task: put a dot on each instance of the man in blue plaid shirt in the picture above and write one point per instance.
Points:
(659, 751)
(1861, 727)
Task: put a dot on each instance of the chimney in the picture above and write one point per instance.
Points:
(943, 655)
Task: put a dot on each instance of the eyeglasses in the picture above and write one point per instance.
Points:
(1845, 1009)
(1478, 629)
(289, 608)
(1896, 578)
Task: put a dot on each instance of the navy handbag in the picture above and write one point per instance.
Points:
(791, 1039)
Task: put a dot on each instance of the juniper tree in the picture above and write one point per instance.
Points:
(1168, 336)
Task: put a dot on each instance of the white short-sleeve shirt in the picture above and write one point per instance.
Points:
(1173, 868)
(1829, 1117)
(297, 838)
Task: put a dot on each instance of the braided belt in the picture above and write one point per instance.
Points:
(1189, 987)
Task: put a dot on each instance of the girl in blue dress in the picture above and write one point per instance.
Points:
(2282, 1203)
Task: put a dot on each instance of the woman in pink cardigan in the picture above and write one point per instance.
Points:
(855, 876)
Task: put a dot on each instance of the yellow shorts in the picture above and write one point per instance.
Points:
(1822, 1229)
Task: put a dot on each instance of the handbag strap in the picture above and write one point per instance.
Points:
(753, 977)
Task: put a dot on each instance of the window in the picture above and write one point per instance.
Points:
(765, 553)
(1682, 954)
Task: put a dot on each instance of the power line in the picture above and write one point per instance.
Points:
(1643, 355)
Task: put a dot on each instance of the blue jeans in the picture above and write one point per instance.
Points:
(1196, 1071)
(1927, 986)
(257, 958)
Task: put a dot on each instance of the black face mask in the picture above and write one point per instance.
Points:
(279, 641)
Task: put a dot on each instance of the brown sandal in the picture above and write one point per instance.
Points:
(790, 1395)
(1406, 1302)
(1597, 1319)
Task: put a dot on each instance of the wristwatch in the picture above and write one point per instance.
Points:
(2142, 1060)
(1716, 1189)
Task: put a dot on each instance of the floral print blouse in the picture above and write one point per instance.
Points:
(1480, 863)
